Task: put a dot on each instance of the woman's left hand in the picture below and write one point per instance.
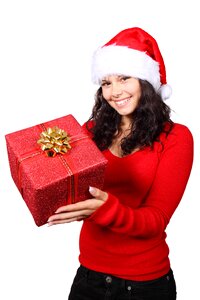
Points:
(80, 210)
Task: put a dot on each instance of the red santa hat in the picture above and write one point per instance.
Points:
(132, 52)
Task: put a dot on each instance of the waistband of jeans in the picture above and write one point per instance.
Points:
(95, 274)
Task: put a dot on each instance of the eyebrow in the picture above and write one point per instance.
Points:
(104, 81)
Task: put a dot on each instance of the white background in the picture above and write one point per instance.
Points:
(45, 54)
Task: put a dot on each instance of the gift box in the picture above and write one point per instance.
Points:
(53, 164)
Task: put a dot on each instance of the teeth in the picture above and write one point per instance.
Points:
(122, 102)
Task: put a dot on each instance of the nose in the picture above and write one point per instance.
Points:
(116, 89)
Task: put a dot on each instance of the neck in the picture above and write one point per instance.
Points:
(125, 123)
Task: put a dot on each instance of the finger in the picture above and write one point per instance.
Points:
(69, 220)
(98, 194)
(63, 221)
(90, 203)
(69, 215)
(71, 207)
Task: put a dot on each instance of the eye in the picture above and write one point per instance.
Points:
(105, 83)
(124, 78)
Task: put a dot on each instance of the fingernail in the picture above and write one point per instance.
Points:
(92, 189)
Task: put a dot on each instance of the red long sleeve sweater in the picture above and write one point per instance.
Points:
(126, 236)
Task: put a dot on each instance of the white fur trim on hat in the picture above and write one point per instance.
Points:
(115, 60)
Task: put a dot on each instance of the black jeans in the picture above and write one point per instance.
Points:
(91, 285)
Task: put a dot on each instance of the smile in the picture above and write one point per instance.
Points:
(122, 102)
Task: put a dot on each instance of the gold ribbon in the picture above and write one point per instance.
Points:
(54, 140)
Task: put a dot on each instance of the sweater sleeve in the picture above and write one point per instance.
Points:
(169, 184)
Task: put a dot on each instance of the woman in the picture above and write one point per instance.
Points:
(123, 251)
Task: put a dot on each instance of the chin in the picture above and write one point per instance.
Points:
(125, 113)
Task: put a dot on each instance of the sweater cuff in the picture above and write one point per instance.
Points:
(106, 213)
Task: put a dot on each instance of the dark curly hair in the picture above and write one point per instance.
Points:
(148, 121)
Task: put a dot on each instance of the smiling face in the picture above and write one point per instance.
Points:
(122, 93)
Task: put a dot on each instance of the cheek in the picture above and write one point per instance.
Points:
(132, 89)
(136, 92)
(106, 94)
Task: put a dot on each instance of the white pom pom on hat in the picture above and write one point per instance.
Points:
(165, 91)
(132, 52)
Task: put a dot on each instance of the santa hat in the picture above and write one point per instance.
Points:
(132, 52)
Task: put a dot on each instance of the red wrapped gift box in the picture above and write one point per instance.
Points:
(47, 183)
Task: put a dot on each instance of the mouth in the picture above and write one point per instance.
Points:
(123, 102)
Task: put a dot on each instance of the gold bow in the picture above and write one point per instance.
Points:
(54, 140)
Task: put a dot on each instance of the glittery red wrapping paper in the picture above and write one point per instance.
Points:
(45, 182)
